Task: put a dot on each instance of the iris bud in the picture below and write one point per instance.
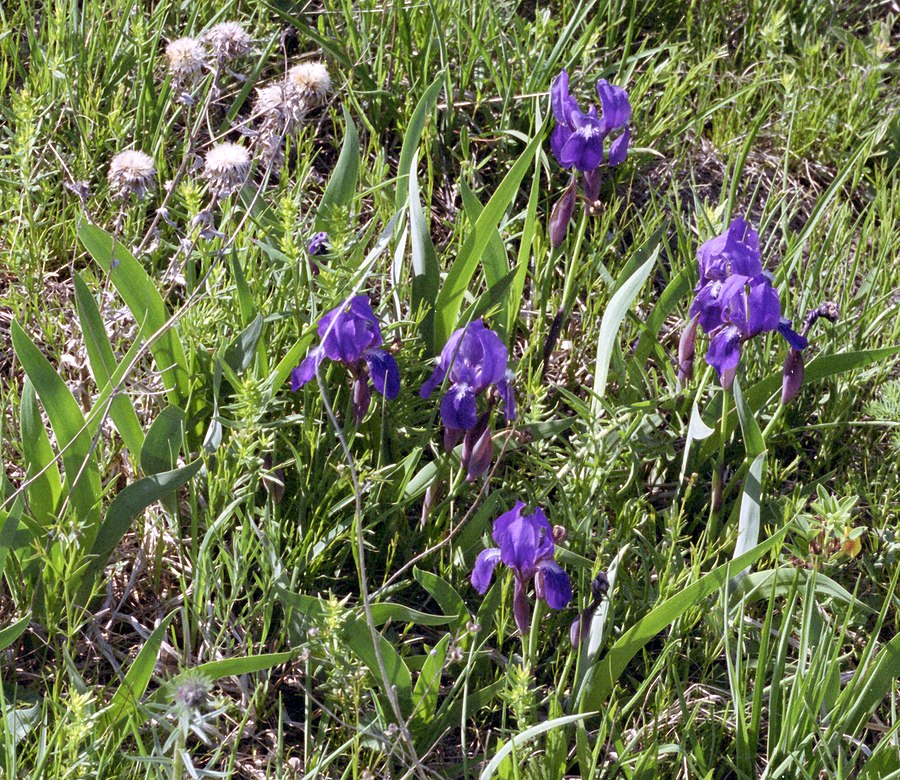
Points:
(562, 215)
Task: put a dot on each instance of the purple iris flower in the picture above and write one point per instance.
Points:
(474, 359)
(319, 244)
(578, 139)
(735, 301)
(525, 545)
(350, 335)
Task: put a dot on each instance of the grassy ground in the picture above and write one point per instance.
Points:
(220, 615)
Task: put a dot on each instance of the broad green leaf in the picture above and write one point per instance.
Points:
(411, 138)
(163, 442)
(450, 602)
(226, 667)
(146, 305)
(602, 677)
(697, 431)
(783, 581)
(13, 631)
(359, 640)
(239, 354)
(748, 518)
(612, 320)
(342, 184)
(530, 733)
(665, 304)
(463, 269)
(425, 694)
(753, 439)
(426, 275)
(821, 367)
(103, 365)
(72, 435)
(127, 505)
(128, 695)
(494, 261)
(382, 613)
(526, 247)
(44, 493)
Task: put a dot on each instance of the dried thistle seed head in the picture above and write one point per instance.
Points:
(131, 173)
(281, 105)
(185, 58)
(311, 79)
(227, 41)
(227, 167)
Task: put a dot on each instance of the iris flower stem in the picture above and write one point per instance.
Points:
(776, 418)
(529, 643)
(715, 504)
(562, 314)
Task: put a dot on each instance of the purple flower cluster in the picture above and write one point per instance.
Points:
(525, 545)
(579, 141)
(350, 335)
(734, 302)
(474, 360)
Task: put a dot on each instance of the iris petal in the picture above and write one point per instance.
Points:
(485, 563)
(557, 587)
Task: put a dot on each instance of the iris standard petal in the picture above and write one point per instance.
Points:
(558, 139)
(615, 105)
(618, 149)
(501, 525)
(483, 570)
(557, 588)
(543, 533)
(519, 548)
(561, 102)
(385, 373)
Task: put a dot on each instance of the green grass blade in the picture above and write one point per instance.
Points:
(126, 699)
(523, 737)
(460, 274)
(602, 678)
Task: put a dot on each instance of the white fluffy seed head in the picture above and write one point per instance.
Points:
(185, 58)
(311, 79)
(227, 167)
(228, 41)
(281, 105)
(131, 173)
